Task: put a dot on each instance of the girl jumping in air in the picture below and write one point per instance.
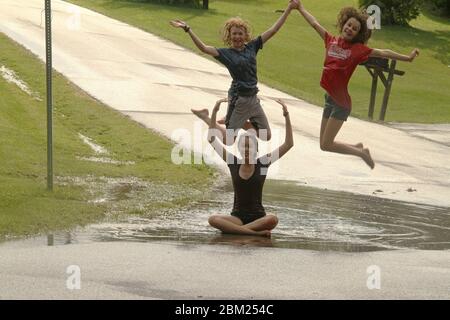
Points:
(248, 175)
(240, 59)
(343, 54)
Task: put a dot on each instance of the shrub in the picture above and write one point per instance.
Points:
(395, 11)
(439, 7)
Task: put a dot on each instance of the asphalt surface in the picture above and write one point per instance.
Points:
(133, 270)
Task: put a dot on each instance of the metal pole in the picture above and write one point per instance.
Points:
(48, 60)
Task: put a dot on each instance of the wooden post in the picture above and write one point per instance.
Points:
(373, 92)
(376, 67)
(387, 92)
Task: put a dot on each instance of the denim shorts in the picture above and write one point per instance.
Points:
(243, 108)
(332, 110)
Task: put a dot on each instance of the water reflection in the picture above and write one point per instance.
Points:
(242, 240)
(59, 238)
(309, 218)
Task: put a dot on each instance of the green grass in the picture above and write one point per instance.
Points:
(26, 207)
(292, 61)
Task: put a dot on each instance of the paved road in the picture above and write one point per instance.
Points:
(134, 270)
(156, 82)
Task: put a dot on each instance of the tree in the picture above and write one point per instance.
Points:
(395, 11)
(440, 7)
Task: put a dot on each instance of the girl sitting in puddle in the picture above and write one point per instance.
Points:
(248, 176)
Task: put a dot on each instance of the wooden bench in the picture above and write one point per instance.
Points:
(377, 67)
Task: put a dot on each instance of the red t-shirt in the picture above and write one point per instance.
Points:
(342, 58)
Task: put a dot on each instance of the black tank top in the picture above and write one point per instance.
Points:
(248, 193)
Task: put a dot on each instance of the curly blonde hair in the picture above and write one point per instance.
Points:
(238, 23)
(347, 13)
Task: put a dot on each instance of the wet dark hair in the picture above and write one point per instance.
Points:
(347, 13)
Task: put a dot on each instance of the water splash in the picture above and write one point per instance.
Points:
(309, 218)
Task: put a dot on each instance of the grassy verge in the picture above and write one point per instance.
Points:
(85, 191)
(293, 60)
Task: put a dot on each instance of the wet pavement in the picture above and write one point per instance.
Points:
(309, 218)
(169, 270)
(439, 133)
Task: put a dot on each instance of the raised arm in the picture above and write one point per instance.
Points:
(293, 4)
(389, 54)
(312, 20)
(288, 139)
(199, 43)
(215, 135)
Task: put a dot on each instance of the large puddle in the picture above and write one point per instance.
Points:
(309, 218)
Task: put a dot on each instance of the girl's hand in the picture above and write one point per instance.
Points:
(285, 110)
(178, 24)
(294, 4)
(413, 54)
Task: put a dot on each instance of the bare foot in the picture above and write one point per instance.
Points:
(264, 233)
(359, 145)
(202, 114)
(368, 158)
